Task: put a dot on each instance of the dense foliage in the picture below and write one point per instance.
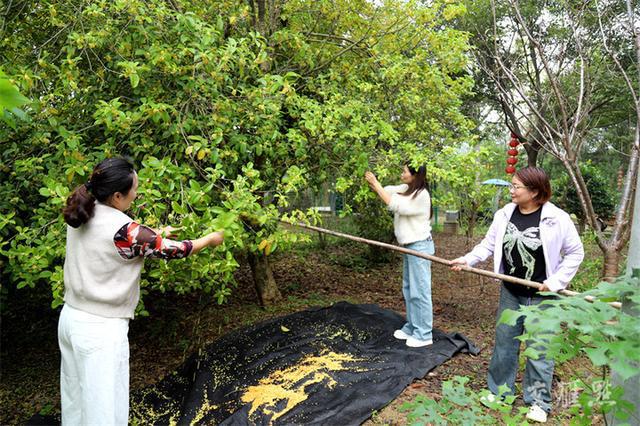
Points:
(568, 327)
(571, 326)
(602, 191)
(226, 112)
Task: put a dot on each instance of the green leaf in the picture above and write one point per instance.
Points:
(10, 97)
(625, 369)
(598, 356)
(134, 79)
(509, 317)
(178, 208)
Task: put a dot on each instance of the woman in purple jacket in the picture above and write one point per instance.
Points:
(532, 239)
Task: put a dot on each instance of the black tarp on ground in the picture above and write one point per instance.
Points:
(332, 365)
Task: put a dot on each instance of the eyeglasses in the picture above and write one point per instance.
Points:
(513, 187)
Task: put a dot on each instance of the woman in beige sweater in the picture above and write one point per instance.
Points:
(104, 257)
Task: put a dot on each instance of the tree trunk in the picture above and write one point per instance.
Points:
(631, 386)
(322, 241)
(471, 227)
(266, 20)
(582, 226)
(611, 267)
(532, 154)
(266, 286)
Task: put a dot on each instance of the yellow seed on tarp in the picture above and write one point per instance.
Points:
(289, 384)
(203, 411)
(283, 328)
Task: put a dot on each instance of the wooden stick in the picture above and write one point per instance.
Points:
(446, 262)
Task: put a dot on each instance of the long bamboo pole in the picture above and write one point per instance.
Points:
(446, 262)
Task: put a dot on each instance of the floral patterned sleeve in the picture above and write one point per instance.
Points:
(135, 240)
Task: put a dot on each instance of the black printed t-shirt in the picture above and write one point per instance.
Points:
(522, 252)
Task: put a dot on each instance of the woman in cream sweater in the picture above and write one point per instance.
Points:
(411, 206)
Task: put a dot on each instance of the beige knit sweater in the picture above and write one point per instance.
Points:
(410, 215)
(97, 279)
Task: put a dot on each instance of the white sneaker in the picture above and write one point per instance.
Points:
(401, 335)
(412, 342)
(537, 414)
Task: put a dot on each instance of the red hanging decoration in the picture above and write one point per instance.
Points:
(513, 153)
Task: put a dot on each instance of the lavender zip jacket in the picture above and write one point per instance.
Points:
(563, 251)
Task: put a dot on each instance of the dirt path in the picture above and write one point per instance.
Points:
(179, 325)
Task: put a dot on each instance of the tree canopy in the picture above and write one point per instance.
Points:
(228, 109)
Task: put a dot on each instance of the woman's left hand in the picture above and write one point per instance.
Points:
(377, 188)
(371, 178)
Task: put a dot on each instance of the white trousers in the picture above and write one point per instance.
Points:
(94, 372)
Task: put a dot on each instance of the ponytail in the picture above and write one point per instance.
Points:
(110, 176)
(80, 206)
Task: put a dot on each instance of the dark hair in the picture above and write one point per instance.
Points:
(419, 182)
(110, 176)
(536, 180)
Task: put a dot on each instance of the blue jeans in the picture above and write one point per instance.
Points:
(503, 368)
(416, 288)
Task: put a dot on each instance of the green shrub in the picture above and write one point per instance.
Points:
(569, 327)
(460, 405)
(603, 194)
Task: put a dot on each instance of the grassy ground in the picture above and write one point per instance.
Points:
(308, 276)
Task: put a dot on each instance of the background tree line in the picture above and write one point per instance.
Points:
(229, 109)
(565, 77)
